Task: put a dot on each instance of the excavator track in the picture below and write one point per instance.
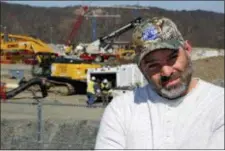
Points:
(67, 86)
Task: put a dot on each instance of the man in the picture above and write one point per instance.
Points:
(175, 110)
(91, 91)
(105, 89)
(97, 88)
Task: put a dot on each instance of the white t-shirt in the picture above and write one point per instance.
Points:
(144, 120)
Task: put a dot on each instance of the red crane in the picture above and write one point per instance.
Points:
(76, 25)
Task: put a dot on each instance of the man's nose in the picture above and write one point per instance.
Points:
(166, 71)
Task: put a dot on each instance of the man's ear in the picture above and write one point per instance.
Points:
(188, 47)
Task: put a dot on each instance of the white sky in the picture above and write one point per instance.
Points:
(216, 6)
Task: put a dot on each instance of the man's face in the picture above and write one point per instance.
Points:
(169, 71)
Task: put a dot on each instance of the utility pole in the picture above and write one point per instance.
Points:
(51, 34)
(1, 26)
(5, 32)
(135, 10)
(93, 28)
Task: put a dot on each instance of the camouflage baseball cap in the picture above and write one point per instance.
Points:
(156, 33)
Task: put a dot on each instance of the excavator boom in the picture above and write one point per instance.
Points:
(122, 30)
(103, 44)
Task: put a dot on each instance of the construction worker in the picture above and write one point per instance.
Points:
(91, 91)
(97, 88)
(105, 91)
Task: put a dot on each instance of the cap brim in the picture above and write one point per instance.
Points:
(150, 47)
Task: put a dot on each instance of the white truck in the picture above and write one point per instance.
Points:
(123, 78)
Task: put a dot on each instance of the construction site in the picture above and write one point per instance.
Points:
(43, 85)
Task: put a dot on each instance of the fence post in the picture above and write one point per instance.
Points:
(39, 123)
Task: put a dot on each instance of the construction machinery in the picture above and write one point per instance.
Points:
(69, 46)
(100, 57)
(126, 51)
(35, 81)
(102, 49)
(71, 72)
(19, 42)
(75, 69)
(22, 48)
(63, 71)
(66, 73)
(63, 74)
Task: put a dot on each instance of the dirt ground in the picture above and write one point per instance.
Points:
(21, 111)
(208, 69)
(63, 108)
(54, 107)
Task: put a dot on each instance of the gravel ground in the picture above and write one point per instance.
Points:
(57, 134)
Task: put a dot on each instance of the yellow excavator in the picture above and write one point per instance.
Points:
(21, 48)
(67, 72)
(19, 42)
(67, 75)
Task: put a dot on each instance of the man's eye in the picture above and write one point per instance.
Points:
(152, 66)
(172, 59)
(174, 56)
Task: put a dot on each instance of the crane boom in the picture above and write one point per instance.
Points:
(76, 25)
(103, 44)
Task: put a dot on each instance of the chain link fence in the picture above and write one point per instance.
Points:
(41, 133)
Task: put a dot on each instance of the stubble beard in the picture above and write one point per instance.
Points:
(179, 90)
(174, 92)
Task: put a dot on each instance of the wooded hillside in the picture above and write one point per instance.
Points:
(202, 28)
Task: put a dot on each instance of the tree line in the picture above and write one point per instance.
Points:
(201, 28)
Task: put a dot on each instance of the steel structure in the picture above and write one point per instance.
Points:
(76, 25)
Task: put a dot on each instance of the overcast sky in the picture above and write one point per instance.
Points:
(216, 6)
